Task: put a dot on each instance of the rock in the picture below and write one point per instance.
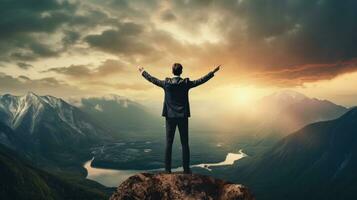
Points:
(179, 186)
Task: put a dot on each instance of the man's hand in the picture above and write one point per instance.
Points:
(141, 69)
(216, 69)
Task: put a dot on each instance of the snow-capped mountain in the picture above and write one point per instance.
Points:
(48, 123)
(287, 111)
(285, 96)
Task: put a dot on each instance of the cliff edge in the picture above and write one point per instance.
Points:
(179, 186)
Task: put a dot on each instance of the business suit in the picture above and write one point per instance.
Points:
(176, 109)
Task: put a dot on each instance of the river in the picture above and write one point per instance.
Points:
(113, 177)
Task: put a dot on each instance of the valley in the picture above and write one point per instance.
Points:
(83, 143)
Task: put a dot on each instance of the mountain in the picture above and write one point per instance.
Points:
(179, 186)
(318, 161)
(287, 111)
(47, 127)
(21, 180)
(120, 114)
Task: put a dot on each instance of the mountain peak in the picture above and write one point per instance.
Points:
(283, 98)
(351, 113)
(114, 97)
(51, 118)
(289, 94)
(6, 95)
(179, 186)
(31, 94)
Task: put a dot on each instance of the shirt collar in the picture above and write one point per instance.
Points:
(175, 76)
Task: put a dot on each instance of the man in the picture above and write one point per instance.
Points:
(177, 110)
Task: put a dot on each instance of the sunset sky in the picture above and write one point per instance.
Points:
(91, 48)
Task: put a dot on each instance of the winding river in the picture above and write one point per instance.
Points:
(113, 177)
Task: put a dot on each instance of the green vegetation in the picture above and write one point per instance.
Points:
(21, 180)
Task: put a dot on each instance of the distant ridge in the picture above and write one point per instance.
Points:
(287, 111)
(119, 114)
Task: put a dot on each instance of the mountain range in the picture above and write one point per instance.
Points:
(120, 115)
(47, 127)
(286, 111)
(44, 141)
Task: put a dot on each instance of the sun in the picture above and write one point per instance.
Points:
(243, 96)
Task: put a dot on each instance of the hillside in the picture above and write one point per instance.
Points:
(317, 162)
(21, 180)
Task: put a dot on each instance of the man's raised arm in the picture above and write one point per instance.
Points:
(150, 78)
(203, 79)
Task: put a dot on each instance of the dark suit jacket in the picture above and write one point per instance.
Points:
(176, 103)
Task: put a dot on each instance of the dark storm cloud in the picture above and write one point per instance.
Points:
(108, 67)
(281, 34)
(297, 75)
(29, 28)
(319, 33)
(20, 19)
(32, 16)
(275, 38)
(316, 31)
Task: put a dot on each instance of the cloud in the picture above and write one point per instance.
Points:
(120, 86)
(72, 71)
(276, 39)
(23, 20)
(44, 28)
(268, 36)
(126, 40)
(168, 16)
(24, 65)
(297, 75)
(70, 37)
(107, 68)
(33, 16)
(303, 31)
(49, 85)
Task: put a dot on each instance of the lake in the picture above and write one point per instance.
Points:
(113, 177)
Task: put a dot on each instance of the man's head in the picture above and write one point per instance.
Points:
(177, 69)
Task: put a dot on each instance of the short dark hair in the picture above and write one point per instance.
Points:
(177, 69)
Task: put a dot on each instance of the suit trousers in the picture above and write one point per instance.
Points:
(182, 124)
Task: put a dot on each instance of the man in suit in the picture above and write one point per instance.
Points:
(176, 109)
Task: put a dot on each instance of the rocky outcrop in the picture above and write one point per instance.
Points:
(179, 186)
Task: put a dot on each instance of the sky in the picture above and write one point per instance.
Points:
(75, 48)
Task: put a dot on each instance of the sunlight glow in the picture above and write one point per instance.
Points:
(244, 97)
